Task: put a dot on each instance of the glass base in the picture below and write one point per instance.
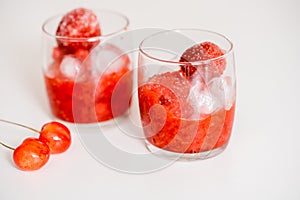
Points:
(184, 156)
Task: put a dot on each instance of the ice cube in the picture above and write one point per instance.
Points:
(222, 88)
(70, 66)
(202, 100)
(108, 58)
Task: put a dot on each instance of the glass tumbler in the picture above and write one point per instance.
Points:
(186, 93)
(81, 79)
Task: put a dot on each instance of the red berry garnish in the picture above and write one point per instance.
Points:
(79, 23)
(57, 136)
(201, 52)
(32, 154)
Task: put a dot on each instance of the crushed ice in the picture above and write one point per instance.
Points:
(218, 93)
(107, 58)
(70, 66)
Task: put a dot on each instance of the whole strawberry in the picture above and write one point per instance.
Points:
(206, 51)
(75, 28)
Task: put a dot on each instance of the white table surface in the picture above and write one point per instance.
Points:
(262, 160)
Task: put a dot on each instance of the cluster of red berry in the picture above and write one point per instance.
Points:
(34, 153)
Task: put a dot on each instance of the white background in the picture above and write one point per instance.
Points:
(262, 160)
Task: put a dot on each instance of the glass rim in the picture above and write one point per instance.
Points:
(228, 52)
(91, 39)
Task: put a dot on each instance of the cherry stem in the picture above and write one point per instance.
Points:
(9, 147)
(14, 123)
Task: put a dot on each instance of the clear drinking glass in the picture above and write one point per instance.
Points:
(186, 98)
(80, 83)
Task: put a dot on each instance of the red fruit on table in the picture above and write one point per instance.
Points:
(80, 24)
(57, 136)
(32, 154)
(201, 52)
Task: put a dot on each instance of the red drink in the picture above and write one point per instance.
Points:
(83, 71)
(171, 121)
(186, 93)
(87, 98)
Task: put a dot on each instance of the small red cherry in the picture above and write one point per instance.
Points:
(57, 136)
(31, 155)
